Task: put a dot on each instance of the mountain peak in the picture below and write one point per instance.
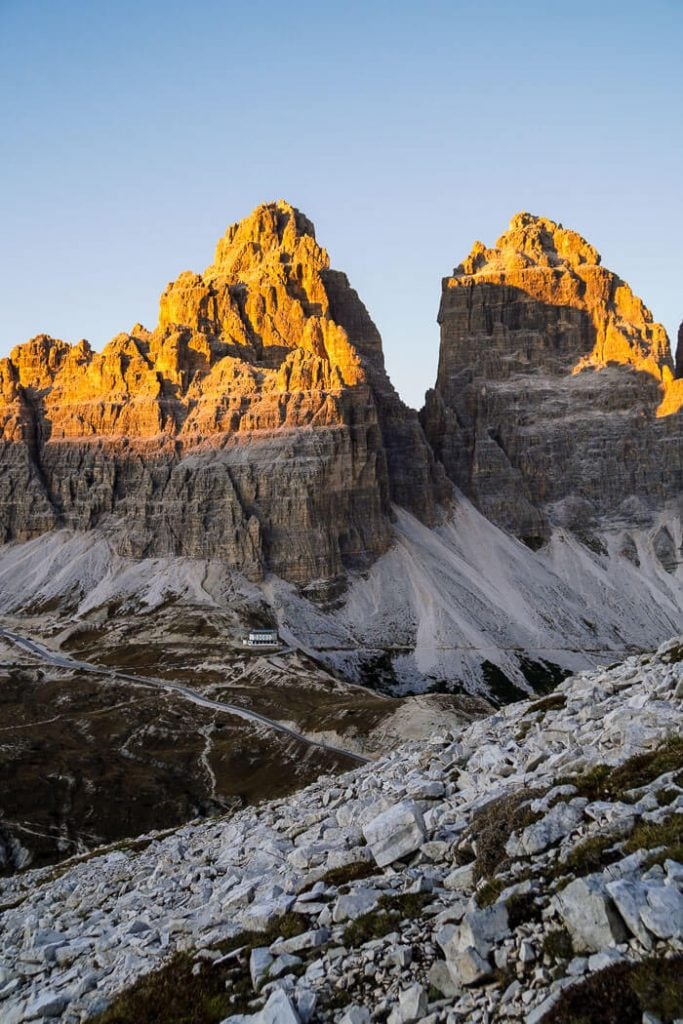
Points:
(547, 242)
(269, 359)
(530, 242)
(557, 267)
(555, 388)
(275, 228)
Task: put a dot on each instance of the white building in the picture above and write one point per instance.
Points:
(262, 638)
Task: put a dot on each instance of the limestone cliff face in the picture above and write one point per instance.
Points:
(255, 423)
(556, 398)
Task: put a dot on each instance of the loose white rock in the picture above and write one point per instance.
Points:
(590, 916)
(395, 833)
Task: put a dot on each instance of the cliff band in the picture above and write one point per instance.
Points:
(255, 423)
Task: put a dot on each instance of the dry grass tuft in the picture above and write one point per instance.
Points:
(621, 994)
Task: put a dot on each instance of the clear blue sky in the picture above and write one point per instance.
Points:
(134, 132)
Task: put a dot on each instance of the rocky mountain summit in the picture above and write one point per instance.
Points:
(528, 868)
(255, 429)
(557, 400)
(255, 423)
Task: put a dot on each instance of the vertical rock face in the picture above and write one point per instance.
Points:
(555, 399)
(255, 423)
(679, 354)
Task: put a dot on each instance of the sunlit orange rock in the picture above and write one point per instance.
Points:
(255, 423)
(555, 399)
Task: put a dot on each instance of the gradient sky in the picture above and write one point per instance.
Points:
(134, 132)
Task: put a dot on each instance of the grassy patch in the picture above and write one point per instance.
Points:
(674, 655)
(542, 677)
(391, 910)
(493, 825)
(604, 782)
(620, 994)
(350, 873)
(593, 784)
(285, 927)
(335, 999)
(599, 851)
(664, 797)
(555, 702)
(489, 892)
(175, 994)
(558, 944)
(592, 542)
(645, 768)
(522, 907)
(407, 905)
(668, 834)
(373, 925)
(591, 855)
(377, 673)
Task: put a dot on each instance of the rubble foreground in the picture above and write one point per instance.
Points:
(532, 860)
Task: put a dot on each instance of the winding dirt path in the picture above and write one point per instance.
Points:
(37, 650)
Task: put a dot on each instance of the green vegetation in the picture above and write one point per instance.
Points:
(350, 873)
(378, 673)
(175, 994)
(620, 994)
(591, 855)
(667, 834)
(596, 853)
(542, 676)
(372, 925)
(489, 892)
(391, 910)
(522, 907)
(592, 542)
(445, 686)
(284, 927)
(591, 784)
(674, 656)
(387, 917)
(667, 796)
(407, 905)
(604, 782)
(493, 825)
(558, 945)
(501, 688)
(334, 999)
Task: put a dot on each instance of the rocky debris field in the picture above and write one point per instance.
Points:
(529, 868)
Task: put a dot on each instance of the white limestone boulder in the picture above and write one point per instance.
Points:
(395, 833)
(590, 915)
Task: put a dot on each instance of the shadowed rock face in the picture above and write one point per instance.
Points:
(555, 399)
(256, 423)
